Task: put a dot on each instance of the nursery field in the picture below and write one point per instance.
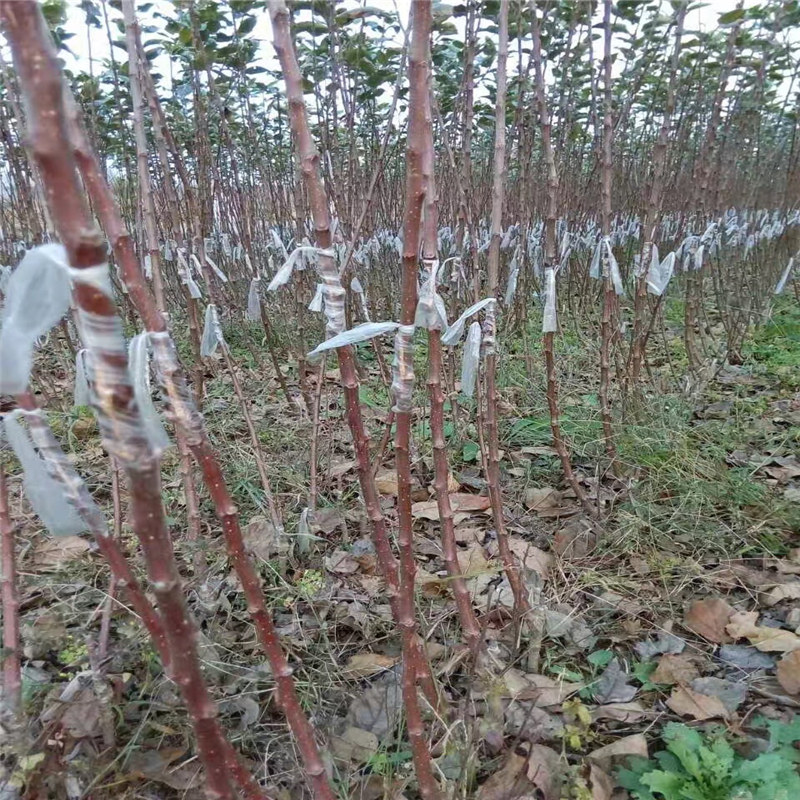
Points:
(400, 400)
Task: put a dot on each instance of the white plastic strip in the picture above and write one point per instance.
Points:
(470, 359)
(660, 274)
(82, 395)
(284, 274)
(361, 333)
(44, 492)
(454, 333)
(550, 317)
(316, 301)
(139, 370)
(431, 313)
(37, 297)
(253, 301)
(784, 277)
(217, 271)
(212, 332)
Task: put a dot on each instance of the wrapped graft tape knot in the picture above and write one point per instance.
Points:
(360, 333)
(431, 313)
(284, 274)
(470, 359)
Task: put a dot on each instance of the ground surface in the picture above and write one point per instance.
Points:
(680, 604)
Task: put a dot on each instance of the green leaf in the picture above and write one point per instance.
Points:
(731, 16)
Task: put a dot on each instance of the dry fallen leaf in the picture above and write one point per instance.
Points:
(386, 482)
(262, 541)
(708, 618)
(602, 784)
(460, 501)
(155, 765)
(53, 553)
(621, 712)
(544, 771)
(377, 709)
(509, 783)
(784, 591)
(673, 669)
(789, 672)
(530, 557)
(362, 665)
(688, 703)
(539, 498)
(354, 745)
(614, 753)
(341, 562)
(768, 640)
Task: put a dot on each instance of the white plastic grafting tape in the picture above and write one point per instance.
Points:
(357, 288)
(185, 274)
(513, 277)
(316, 300)
(470, 359)
(785, 277)
(403, 369)
(613, 269)
(660, 274)
(431, 313)
(360, 333)
(698, 257)
(217, 271)
(253, 312)
(284, 274)
(212, 332)
(82, 396)
(454, 333)
(550, 318)
(37, 296)
(139, 370)
(44, 492)
(148, 266)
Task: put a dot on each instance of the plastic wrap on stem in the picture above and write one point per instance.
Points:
(180, 406)
(139, 368)
(212, 332)
(254, 301)
(360, 333)
(784, 279)
(44, 492)
(431, 313)
(471, 359)
(454, 333)
(403, 369)
(550, 316)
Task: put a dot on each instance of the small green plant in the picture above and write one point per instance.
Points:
(698, 767)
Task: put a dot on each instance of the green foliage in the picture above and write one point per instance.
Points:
(698, 767)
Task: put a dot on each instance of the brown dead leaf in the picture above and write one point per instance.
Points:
(544, 691)
(53, 553)
(362, 665)
(377, 709)
(673, 669)
(326, 520)
(341, 562)
(539, 498)
(612, 754)
(768, 640)
(789, 672)
(708, 618)
(601, 783)
(386, 482)
(544, 771)
(621, 712)
(155, 765)
(354, 745)
(509, 783)
(530, 557)
(460, 502)
(262, 540)
(688, 703)
(784, 591)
